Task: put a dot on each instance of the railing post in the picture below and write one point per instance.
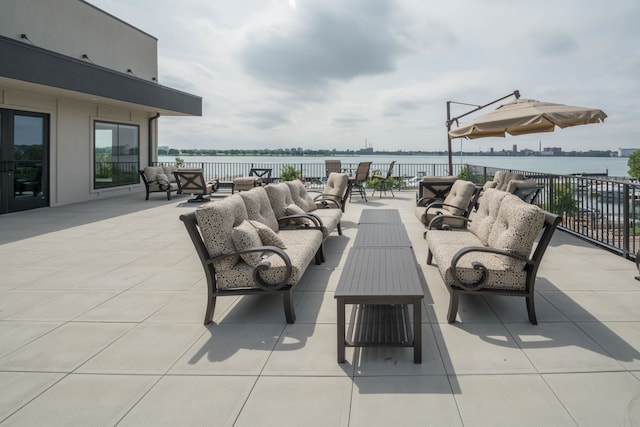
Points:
(552, 204)
(627, 220)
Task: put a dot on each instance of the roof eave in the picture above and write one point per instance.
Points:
(44, 67)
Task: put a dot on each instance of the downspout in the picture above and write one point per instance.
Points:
(151, 119)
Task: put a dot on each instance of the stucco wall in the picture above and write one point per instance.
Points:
(75, 28)
(71, 141)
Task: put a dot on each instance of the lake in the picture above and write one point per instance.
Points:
(614, 166)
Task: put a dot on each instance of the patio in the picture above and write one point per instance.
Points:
(101, 309)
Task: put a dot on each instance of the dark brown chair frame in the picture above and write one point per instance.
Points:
(440, 190)
(528, 194)
(193, 182)
(168, 189)
(332, 166)
(382, 182)
(357, 182)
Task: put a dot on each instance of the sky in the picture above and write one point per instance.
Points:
(345, 74)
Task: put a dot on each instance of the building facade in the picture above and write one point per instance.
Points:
(79, 103)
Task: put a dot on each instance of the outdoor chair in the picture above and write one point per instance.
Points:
(359, 181)
(191, 181)
(526, 189)
(455, 208)
(256, 177)
(335, 192)
(434, 189)
(501, 180)
(159, 179)
(382, 183)
(332, 166)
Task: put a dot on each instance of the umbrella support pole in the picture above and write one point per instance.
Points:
(451, 120)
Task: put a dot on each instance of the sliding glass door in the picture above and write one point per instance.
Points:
(24, 160)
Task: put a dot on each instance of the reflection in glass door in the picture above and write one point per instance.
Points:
(24, 146)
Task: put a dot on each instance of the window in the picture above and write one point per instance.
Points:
(116, 154)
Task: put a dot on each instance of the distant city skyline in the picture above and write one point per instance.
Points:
(318, 74)
(295, 151)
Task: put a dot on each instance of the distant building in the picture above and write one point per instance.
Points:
(550, 151)
(625, 152)
(79, 103)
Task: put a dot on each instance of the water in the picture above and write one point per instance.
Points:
(614, 166)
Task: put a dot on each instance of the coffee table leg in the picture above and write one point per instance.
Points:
(341, 329)
(417, 331)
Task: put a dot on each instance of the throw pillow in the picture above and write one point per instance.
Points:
(294, 209)
(267, 236)
(245, 236)
(163, 181)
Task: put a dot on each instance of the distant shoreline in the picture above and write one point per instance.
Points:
(562, 165)
(257, 153)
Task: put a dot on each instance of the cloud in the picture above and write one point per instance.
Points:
(265, 119)
(325, 44)
(331, 74)
(350, 120)
(554, 43)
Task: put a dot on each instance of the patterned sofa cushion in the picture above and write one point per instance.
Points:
(245, 236)
(501, 274)
(503, 178)
(241, 276)
(482, 219)
(216, 220)
(279, 198)
(268, 237)
(516, 228)
(459, 238)
(300, 196)
(258, 207)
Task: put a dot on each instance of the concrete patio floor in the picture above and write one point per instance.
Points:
(101, 309)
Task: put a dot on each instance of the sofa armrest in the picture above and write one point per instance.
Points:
(443, 205)
(426, 201)
(327, 202)
(315, 219)
(264, 265)
(478, 265)
(436, 222)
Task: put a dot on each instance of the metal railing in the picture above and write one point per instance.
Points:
(310, 171)
(603, 211)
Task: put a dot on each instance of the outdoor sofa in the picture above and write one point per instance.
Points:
(495, 254)
(246, 249)
(514, 183)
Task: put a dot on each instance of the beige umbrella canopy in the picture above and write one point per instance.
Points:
(524, 116)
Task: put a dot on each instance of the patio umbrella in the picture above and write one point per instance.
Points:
(524, 116)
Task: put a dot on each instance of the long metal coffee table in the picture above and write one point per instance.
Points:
(380, 279)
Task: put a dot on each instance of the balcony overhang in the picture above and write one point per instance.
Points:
(29, 65)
